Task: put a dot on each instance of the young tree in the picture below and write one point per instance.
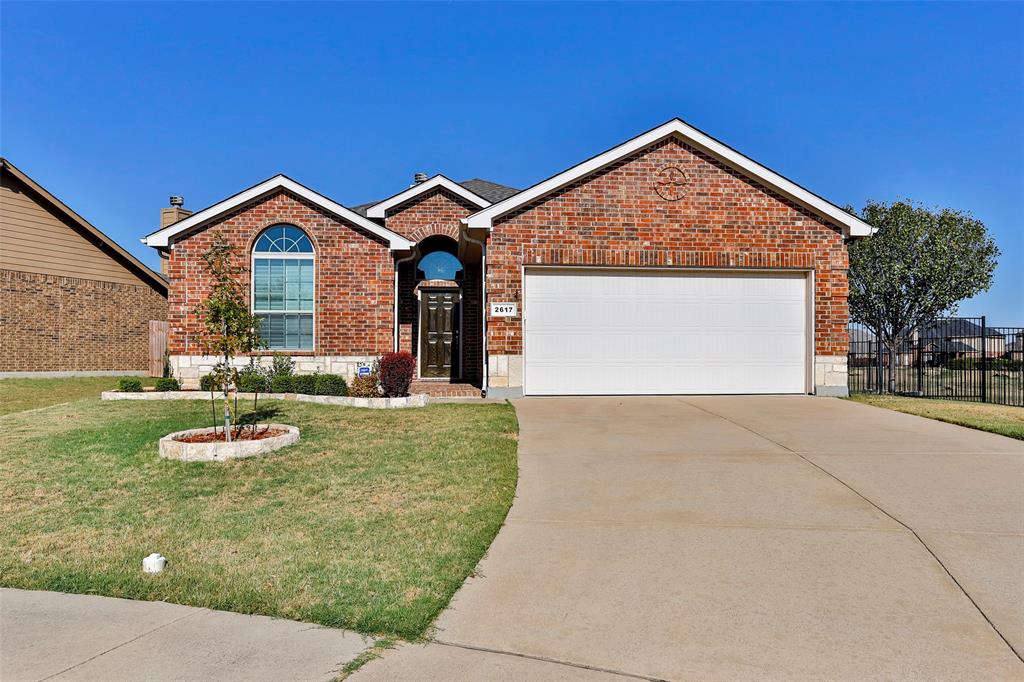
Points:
(918, 266)
(230, 328)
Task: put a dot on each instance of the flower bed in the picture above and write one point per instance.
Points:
(195, 445)
(418, 400)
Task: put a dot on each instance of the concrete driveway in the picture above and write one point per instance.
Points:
(742, 538)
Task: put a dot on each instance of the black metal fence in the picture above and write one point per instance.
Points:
(957, 358)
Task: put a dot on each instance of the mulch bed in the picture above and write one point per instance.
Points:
(218, 437)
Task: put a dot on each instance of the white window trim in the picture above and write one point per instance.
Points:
(271, 255)
(379, 210)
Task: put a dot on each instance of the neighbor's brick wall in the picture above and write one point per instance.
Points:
(616, 218)
(353, 313)
(61, 324)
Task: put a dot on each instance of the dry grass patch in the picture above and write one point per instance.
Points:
(371, 522)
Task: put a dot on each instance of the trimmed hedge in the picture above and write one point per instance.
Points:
(281, 383)
(304, 383)
(167, 384)
(252, 380)
(331, 384)
(129, 384)
(206, 383)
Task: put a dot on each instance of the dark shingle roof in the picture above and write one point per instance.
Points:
(957, 327)
(492, 191)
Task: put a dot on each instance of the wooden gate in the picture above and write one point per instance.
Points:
(157, 347)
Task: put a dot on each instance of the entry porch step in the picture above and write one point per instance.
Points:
(444, 389)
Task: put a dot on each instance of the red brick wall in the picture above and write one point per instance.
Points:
(435, 212)
(616, 218)
(61, 324)
(354, 311)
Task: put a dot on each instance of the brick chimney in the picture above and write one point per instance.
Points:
(169, 216)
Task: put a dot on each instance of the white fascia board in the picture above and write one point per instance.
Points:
(379, 210)
(162, 238)
(852, 225)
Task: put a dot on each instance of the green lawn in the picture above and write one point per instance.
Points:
(371, 522)
(1001, 419)
(17, 395)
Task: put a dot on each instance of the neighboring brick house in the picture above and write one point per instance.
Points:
(668, 264)
(71, 299)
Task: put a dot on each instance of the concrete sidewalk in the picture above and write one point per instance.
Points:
(742, 538)
(53, 636)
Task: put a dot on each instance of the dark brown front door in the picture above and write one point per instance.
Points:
(439, 334)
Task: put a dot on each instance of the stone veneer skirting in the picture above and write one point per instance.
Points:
(187, 369)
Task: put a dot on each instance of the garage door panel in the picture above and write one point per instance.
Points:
(604, 332)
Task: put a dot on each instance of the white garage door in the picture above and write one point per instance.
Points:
(603, 332)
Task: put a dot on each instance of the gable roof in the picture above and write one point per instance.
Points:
(380, 209)
(113, 249)
(163, 237)
(852, 225)
(491, 191)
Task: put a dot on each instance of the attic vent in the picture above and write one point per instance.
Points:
(419, 177)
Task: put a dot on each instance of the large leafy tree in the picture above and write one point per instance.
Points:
(918, 266)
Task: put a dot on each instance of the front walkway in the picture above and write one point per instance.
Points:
(742, 538)
(53, 636)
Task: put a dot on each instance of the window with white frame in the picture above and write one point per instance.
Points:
(282, 287)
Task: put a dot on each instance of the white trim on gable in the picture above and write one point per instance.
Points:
(380, 209)
(162, 238)
(851, 224)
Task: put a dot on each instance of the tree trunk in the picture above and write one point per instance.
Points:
(892, 367)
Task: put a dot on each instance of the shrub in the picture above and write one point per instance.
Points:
(396, 370)
(992, 364)
(331, 384)
(208, 382)
(167, 384)
(281, 365)
(129, 384)
(252, 380)
(282, 383)
(304, 383)
(364, 386)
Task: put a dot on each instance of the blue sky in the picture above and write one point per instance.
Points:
(113, 107)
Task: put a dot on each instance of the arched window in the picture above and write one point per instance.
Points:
(440, 265)
(282, 287)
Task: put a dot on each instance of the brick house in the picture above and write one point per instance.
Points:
(72, 301)
(670, 263)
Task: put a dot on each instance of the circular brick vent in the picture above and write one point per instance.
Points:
(670, 183)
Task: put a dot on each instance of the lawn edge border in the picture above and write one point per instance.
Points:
(411, 401)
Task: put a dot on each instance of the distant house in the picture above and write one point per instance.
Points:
(71, 299)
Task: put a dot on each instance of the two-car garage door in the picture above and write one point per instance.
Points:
(607, 332)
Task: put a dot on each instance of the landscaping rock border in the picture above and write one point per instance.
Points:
(220, 452)
(417, 400)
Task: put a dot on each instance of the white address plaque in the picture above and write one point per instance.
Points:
(504, 309)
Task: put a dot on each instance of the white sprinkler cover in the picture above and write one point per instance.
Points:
(154, 563)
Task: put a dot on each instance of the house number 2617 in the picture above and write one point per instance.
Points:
(503, 309)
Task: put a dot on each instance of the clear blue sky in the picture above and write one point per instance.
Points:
(113, 107)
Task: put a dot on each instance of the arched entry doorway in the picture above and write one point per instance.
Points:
(439, 273)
